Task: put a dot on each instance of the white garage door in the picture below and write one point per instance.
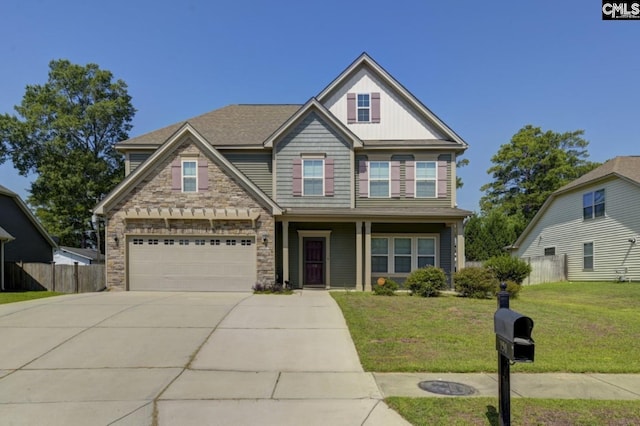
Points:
(192, 263)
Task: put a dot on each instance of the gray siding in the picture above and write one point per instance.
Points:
(256, 166)
(29, 244)
(343, 252)
(137, 158)
(313, 136)
(401, 201)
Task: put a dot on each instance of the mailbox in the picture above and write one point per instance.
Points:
(513, 335)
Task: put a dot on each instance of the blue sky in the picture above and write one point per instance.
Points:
(485, 68)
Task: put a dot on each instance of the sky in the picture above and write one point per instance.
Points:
(486, 69)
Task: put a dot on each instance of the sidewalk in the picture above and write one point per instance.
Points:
(539, 385)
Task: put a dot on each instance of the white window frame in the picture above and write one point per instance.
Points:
(435, 250)
(544, 250)
(391, 238)
(380, 255)
(592, 256)
(418, 179)
(363, 108)
(388, 179)
(402, 255)
(594, 204)
(183, 176)
(322, 178)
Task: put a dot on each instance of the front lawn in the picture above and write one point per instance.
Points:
(484, 411)
(11, 297)
(579, 327)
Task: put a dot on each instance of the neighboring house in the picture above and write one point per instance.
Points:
(71, 255)
(593, 220)
(357, 183)
(22, 237)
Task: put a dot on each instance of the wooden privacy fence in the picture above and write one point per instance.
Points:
(544, 269)
(49, 276)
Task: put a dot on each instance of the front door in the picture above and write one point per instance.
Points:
(313, 261)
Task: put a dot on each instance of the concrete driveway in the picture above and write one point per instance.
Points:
(127, 358)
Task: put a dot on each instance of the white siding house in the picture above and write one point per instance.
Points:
(594, 221)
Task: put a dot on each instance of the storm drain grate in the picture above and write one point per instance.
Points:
(442, 387)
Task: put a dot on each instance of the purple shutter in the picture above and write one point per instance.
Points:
(351, 107)
(442, 179)
(363, 177)
(409, 179)
(375, 107)
(297, 177)
(203, 175)
(395, 179)
(176, 175)
(328, 177)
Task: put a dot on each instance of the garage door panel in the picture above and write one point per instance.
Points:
(192, 263)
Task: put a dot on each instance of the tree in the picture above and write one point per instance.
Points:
(532, 166)
(65, 133)
(487, 235)
(459, 164)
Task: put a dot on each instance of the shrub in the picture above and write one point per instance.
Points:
(426, 282)
(512, 287)
(475, 282)
(385, 287)
(277, 288)
(508, 268)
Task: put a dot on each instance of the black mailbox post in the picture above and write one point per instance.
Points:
(514, 344)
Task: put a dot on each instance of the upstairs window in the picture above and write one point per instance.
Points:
(313, 177)
(364, 107)
(593, 204)
(379, 179)
(426, 178)
(189, 176)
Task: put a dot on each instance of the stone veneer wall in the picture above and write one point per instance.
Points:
(155, 191)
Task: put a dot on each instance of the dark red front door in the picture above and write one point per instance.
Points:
(314, 260)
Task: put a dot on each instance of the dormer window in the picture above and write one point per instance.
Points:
(364, 107)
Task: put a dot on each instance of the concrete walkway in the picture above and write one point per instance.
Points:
(162, 359)
(545, 385)
(132, 358)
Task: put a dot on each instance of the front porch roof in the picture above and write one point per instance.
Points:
(429, 214)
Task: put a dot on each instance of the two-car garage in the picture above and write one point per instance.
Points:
(191, 263)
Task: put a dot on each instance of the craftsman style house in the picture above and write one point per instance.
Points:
(356, 184)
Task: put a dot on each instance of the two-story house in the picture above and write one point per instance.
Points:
(593, 223)
(357, 183)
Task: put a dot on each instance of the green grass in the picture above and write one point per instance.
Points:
(11, 297)
(483, 411)
(578, 327)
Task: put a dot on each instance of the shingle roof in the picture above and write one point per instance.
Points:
(233, 125)
(626, 167)
(83, 252)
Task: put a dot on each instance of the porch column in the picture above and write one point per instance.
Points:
(460, 245)
(367, 256)
(359, 255)
(285, 251)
